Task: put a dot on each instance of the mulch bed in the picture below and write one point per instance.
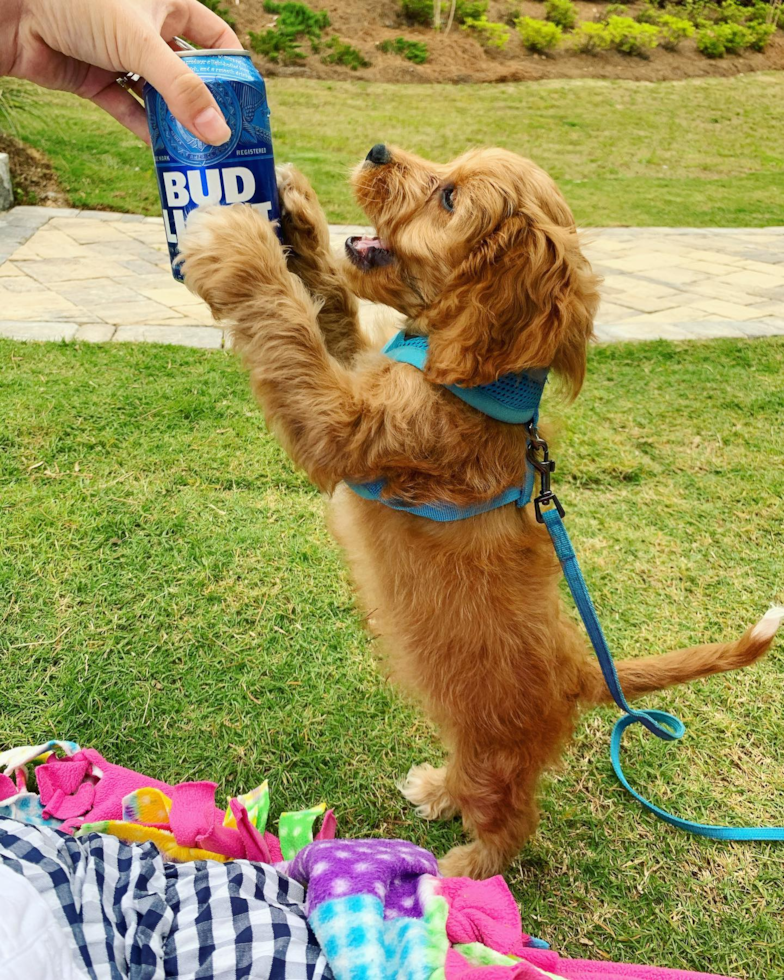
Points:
(32, 176)
(459, 57)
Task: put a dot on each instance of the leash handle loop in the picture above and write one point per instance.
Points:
(663, 725)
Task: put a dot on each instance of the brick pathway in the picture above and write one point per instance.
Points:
(98, 276)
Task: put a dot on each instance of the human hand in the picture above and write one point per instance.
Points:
(82, 46)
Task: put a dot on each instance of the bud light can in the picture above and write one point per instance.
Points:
(191, 173)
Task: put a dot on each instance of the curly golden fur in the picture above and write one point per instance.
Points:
(482, 255)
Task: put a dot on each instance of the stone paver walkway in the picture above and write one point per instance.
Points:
(98, 276)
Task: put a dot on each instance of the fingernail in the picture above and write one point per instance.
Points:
(211, 127)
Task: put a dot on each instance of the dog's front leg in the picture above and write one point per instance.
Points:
(306, 232)
(233, 260)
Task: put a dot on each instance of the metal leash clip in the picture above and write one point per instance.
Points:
(544, 466)
(129, 81)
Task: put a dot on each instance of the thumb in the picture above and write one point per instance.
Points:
(186, 95)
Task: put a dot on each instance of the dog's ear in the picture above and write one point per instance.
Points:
(525, 297)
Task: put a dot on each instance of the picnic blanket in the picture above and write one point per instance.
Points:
(375, 910)
(159, 882)
(129, 915)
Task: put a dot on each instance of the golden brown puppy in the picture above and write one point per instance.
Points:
(482, 256)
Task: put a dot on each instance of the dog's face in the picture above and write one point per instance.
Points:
(482, 255)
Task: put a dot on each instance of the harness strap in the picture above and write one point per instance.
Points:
(662, 724)
(512, 398)
(444, 512)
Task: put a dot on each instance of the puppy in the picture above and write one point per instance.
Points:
(482, 256)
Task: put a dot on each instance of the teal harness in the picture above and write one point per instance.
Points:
(515, 398)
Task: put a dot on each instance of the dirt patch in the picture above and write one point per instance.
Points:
(459, 57)
(32, 176)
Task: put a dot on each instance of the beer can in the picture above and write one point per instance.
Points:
(191, 173)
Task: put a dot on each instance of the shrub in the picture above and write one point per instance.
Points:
(735, 37)
(730, 13)
(613, 10)
(763, 13)
(276, 46)
(702, 13)
(629, 37)
(415, 51)
(341, 53)
(295, 21)
(760, 35)
(649, 14)
(591, 38)
(538, 35)
(417, 11)
(513, 13)
(491, 34)
(710, 44)
(216, 7)
(696, 10)
(758, 14)
(468, 10)
(298, 18)
(673, 30)
(421, 11)
(561, 12)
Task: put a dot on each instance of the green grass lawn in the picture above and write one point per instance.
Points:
(169, 594)
(699, 152)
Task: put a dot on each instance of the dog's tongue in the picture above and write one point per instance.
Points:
(364, 245)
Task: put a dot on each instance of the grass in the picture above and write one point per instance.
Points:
(703, 152)
(169, 594)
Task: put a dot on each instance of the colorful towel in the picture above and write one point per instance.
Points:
(380, 912)
(83, 792)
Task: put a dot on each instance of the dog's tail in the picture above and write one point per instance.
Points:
(679, 666)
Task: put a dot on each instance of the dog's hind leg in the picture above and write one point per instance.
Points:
(310, 257)
(496, 795)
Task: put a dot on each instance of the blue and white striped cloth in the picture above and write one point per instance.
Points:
(132, 916)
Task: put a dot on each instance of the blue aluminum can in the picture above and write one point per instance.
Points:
(191, 173)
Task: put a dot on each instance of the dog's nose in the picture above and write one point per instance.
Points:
(379, 155)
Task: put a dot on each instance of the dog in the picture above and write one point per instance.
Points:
(482, 256)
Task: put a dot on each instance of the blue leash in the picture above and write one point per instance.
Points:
(662, 724)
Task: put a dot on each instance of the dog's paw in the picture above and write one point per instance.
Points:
(477, 860)
(304, 225)
(228, 254)
(425, 787)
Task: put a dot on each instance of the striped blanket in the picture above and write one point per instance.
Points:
(131, 916)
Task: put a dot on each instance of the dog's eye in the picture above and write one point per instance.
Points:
(447, 198)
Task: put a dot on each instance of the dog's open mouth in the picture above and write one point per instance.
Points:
(368, 253)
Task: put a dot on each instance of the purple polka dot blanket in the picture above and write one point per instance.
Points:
(380, 911)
